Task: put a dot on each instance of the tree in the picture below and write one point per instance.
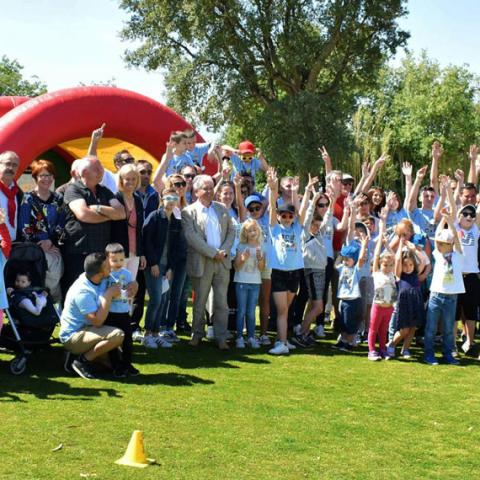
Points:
(283, 72)
(13, 83)
(413, 105)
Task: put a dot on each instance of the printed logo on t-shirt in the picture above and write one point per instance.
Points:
(467, 238)
(288, 242)
(346, 278)
(447, 269)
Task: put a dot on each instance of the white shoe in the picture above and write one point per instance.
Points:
(290, 346)
(149, 342)
(137, 336)
(297, 329)
(280, 348)
(253, 343)
(265, 340)
(320, 331)
(162, 342)
(170, 336)
(210, 333)
(239, 342)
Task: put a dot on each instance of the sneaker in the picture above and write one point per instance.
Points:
(149, 342)
(280, 348)
(170, 336)
(264, 340)
(137, 336)
(374, 356)
(210, 333)
(405, 353)
(239, 342)
(67, 365)
(310, 340)
(290, 346)
(338, 345)
(120, 372)
(82, 369)
(320, 331)
(391, 352)
(346, 347)
(162, 342)
(357, 340)
(299, 341)
(455, 352)
(253, 343)
(297, 329)
(449, 360)
(132, 371)
(469, 349)
(431, 360)
(184, 328)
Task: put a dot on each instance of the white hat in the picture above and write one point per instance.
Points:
(445, 236)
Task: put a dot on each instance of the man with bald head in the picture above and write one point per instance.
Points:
(90, 207)
(10, 193)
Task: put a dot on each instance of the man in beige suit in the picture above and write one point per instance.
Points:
(210, 233)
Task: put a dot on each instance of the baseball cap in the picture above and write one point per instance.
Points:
(246, 147)
(445, 236)
(361, 226)
(286, 207)
(346, 177)
(352, 250)
(254, 198)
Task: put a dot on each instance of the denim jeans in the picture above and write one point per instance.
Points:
(247, 298)
(157, 300)
(440, 307)
(170, 309)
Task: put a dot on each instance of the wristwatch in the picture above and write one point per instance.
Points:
(98, 209)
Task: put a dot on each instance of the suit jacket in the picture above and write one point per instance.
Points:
(197, 247)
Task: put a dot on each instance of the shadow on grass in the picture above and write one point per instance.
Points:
(170, 379)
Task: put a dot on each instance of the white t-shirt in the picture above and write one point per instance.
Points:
(249, 273)
(385, 288)
(109, 180)
(447, 273)
(469, 241)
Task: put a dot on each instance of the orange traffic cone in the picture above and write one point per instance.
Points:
(135, 453)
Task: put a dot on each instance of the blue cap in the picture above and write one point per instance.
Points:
(352, 250)
(254, 198)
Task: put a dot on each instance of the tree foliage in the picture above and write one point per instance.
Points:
(413, 105)
(13, 83)
(283, 72)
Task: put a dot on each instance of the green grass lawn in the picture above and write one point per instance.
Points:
(208, 414)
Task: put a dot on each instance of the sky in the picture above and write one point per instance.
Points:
(66, 42)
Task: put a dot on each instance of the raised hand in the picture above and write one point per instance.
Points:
(381, 160)
(325, 155)
(295, 184)
(459, 175)
(384, 213)
(272, 179)
(311, 183)
(389, 204)
(260, 154)
(407, 169)
(365, 169)
(437, 150)
(473, 153)
(98, 133)
(421, 172)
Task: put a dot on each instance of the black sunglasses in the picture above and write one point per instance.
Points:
(189, 175)
(286, 216)
(469, 214)
(179, 184)
(127, 160)
(254, 209)
(144, 172)
(322, 205)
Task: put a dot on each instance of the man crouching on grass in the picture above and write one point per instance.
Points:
(87, 303)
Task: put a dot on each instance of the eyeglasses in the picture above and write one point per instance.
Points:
(190, 176)
(126, 160)
(171, 198)
(322, 205)
(246, 157)
(179, 184)
(254, 209)
(286, 216)
(145, 172)
(469, 214)
(45, 175)
(9, 164)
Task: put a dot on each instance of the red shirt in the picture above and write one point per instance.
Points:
(338, 213)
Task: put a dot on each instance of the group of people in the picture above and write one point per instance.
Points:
(386, 269)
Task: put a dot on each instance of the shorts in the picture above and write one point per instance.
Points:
(285, 280)
(469, 301)
(86, 338)
(266, 274)
(315, 280)
(350, 315)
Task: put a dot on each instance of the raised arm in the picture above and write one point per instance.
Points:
(362, 257)
(378, 246)
(263, 161)
(363, 178)
(240, 201)
(460, 177)
(326, 159)
(412, 199)
(373, 173)
(398, 258)
(407, 173)
(436, 155)
(158, 176)
(95, 140)
(306, 197)
(472, 172)
(272, 182)
(444, 184)
(351, 224)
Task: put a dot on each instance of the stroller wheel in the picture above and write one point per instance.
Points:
(18, 365)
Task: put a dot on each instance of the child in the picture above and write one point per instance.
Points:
(447, 283)
(352, 258)
(410, 311)
(196, 150)
(246, 162)
(385, 294)
(23, 297)
(119, 313)
(176, 154)
(249, 263)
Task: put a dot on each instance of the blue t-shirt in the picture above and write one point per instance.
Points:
(240, 166)
(198, 152)
(81, 300)
(348, 282)
(393, 218)
(286, 251)
(178, 162)
(123, 277)
(423, 222)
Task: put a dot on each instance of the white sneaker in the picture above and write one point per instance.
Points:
(149, 342)
(162, 342)
(320, 331)
(290, 346)
(297, 329)
(239, 342)
(280, 348)
(170, 336)
(210, 333)
(264, 340)
(137, 336)
(253, 343)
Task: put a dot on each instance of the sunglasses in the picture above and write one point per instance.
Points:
(127, 160)
(469, 214)
(189, 175)
(286, 216)
(347, 182)
(171, 198)
(254, 209)
(145, 172)
(322, 205)
(179, 184)
(246, 157)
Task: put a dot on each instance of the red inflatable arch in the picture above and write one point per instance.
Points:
(41, 123)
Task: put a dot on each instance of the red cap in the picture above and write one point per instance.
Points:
(246, 147)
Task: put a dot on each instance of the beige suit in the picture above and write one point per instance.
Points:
(206, 273)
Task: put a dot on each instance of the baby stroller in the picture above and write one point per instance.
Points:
(26, 332)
